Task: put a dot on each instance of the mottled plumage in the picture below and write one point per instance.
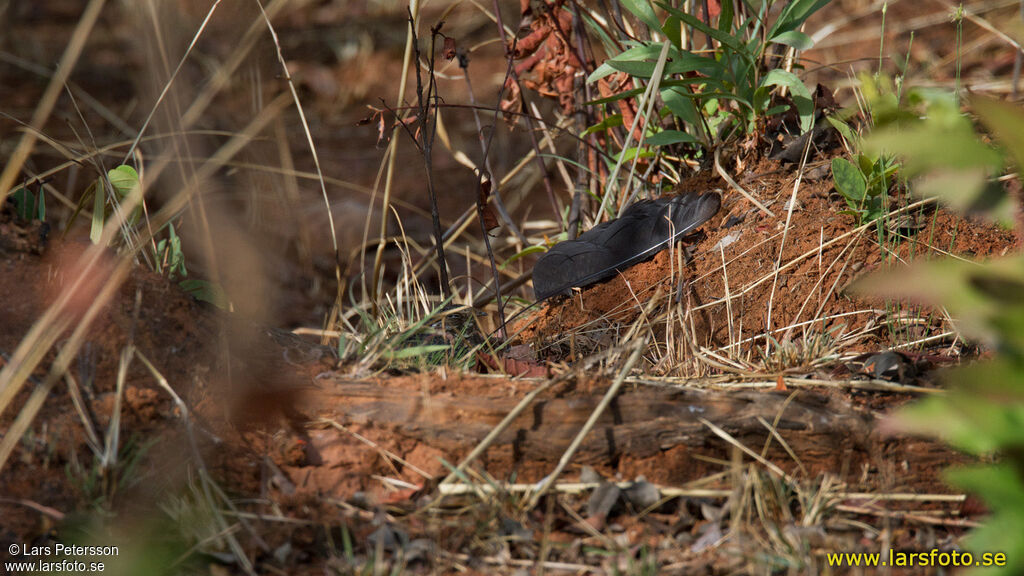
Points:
(643, 230)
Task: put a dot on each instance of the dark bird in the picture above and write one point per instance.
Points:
(643, 230)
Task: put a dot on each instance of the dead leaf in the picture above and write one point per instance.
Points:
(487, 216)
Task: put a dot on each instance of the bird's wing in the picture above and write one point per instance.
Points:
(643, 230)
(575, 263)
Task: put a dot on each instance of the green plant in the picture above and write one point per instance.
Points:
(100, 483)
(733, 81)
(865, 180)
(983, 412)
(864, 184)
(169, 258)
(29, 206)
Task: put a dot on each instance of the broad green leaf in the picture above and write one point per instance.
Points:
(794, 38)
(643, 10)
(680, 102)
(849, 181)
(666, 137)
(673, 30)
(678, 63)
(800, 94)
(123, 179)
(633, 152)
(637, 53)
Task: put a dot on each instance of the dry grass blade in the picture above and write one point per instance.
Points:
(67, 63)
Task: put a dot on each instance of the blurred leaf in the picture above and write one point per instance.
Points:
(98, 207)
(1006, 120)
(1000, 486)
(633, 152)
(957, 285)
(23, 199)
(983, 413)
(206, 291)
(413, 351)
(968, 192)
(726, 16)
(929, 146)
(673, 30)
(849, 181)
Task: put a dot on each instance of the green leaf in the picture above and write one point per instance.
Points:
(726, 16)
(666, 137)
(644, 11)
(207, 292)
(724, 38)
(794, 15)
(673, 30)
(42, 205)
(636, 53)
(794, 38)
(680, 102)
(799, 92)
(123, 179)
(524, 252)
(678, 63)
(633, 152)
(98, 207)
(23, 200)
(413, 351)
(602, 126)
(850, 182)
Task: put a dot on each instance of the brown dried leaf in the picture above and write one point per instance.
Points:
(486, 212)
